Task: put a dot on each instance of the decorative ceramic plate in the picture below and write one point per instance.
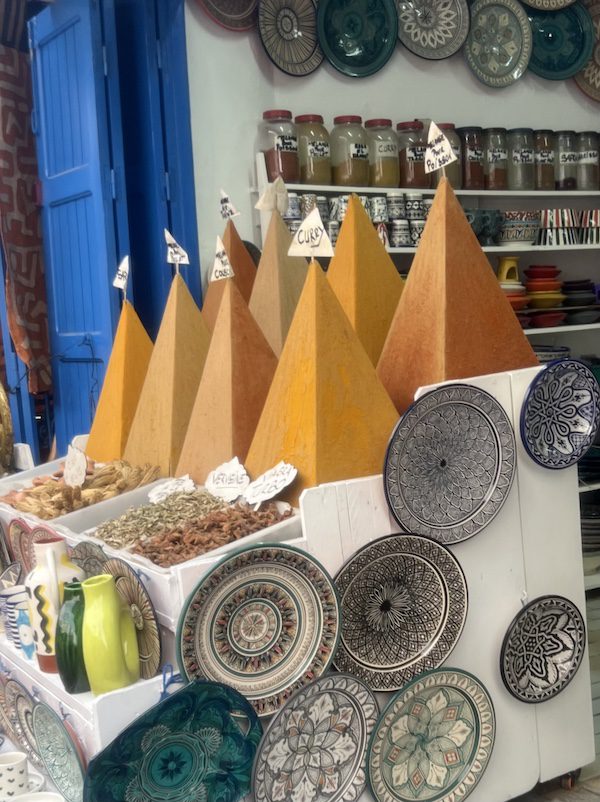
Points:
(450, 463)
(433, 741)
(542, 649)
(551, 5)
(563, 42)
(16, 528)
(11, 576)
(90, 557)
(136, 597)
(588, 79)
(357, 36)
(498, 47)
(58, 752)
(560, 415)
(404, 605)
(5, 722)
(288, 31)
(433, 29)
(19, 706)
(197, 744)
(235, 15)
(265, 620)
(336, 715)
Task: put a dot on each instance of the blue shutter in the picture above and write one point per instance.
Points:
(78, 128)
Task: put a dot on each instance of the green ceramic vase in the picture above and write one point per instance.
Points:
(69, 643)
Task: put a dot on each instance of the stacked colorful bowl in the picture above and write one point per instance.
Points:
(544, 292)
(559, 227)
(590, 227)
(581, 293)
(515, 293)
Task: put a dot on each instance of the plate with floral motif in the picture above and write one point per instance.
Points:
(433, 29)
(234, 15)
(434, 739)
(588, 78)
(499, 44)
(58, 752)
(563, 41)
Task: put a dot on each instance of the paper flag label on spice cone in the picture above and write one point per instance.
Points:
(311, 239)
(439, 151)
(175, 253)
(229, 481)
(274, 198)
(270, 483)
(221, 266)
(183, 484)
(122, 275)
(226, 207)
(75, 467)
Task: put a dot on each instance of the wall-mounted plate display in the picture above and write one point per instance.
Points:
(498, 47)
(588, 78)
(288, 32)
(563, 41)
(235, 15)
(433, 29)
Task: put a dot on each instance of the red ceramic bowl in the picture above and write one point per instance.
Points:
(518, 301)
(542, 285)
(548, 319)
(541, 271)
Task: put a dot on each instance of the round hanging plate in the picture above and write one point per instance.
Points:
(563, 42)
(433, 741)
(288, 32)
(19, 706)
(335, 714)
(235, 15)
(433, 29)
(588, 78)
(265, 621)
(357, 37)
(58, 752)
(5, 722)
(90, 557)
(542, 649)
(551, 5)
(560, 415)
(450, 463)
(498, 47)
(404, 605)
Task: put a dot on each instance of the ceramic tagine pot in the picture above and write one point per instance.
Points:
(69, 641)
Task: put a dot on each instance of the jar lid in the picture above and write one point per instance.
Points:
(378, 122)
(543, 131)
(347, 118)
(520, 130)
(276, 114)
(565, 133)
(411, 125)
(470, 129)
(446, 126)
(587, 133)
(494, 130)
(309, 118)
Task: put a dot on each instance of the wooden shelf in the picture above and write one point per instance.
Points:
(561, 329)
(583, 488)
(509, 250)
(329, 189)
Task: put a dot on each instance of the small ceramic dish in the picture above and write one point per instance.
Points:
(580, 299)
(546, 300)
(518, 301)
(518, 232)
(543, 285)
(547, 320)
(583, 316)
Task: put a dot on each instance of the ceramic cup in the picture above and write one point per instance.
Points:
(42, 796)
(400, 234)
(395, 205)
(416, 231)
(414, 206)
(378, 209)
(14, 775)
(293, 210)
(9, 598)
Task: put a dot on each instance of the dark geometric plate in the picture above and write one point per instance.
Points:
(563, 41)
(434, 739)
(265, 620)
(288, 31)
(235, 15)
(542, 649)
(58, 752)
(336, 715)
(588, 79)
(404, 605)
(433, 29)
(560, 415)
(198, 744)
(19, 704)
(357, 36)
(498, 47)
(450, 463)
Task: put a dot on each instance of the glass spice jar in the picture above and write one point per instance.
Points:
(349, 152)
(471, 140)
(566, 158)
(278, 141)
(454, 169)
(495, 165)
(588, 172)
(412, 143)
(543, 155)
(521, 172)
(384, 169)
(313, 149)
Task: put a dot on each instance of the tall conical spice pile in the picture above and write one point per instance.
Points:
(121, 389)
(327, 413)
(364, 279)
(278, 284)
(237, 375)
(171, 383)
(453, 321)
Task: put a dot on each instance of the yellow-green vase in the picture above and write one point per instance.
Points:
(110, 650)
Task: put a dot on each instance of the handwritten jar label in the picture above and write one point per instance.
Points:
(495, 155)
(544, 156)
(415, 153)
(474, 154)
(386, 150)
(318, 149)
(588, 157)
(522, 156)
(359, 151)
(288, 144)
(568, 157)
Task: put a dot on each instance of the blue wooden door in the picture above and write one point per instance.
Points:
(78, 128)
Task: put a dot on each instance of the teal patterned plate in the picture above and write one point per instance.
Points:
(563, 41)
(58, 752)
(197, 744)
(498, 47)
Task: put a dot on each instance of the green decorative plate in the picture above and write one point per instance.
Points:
(357, 36)
(433, 741)
(563, 41)
(498, 47)
(198, 744)
(58, 752)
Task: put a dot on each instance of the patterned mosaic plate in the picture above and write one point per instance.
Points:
(499, 44)
(560, 415)
(550, 5)
(450, 463)
(11, 576)
(358, 37)
(335, 714)
(542, 649)
(5, 722)
(588, 79)
(136, 597)
(288, 31)
(19, 706)
(563, 42)
(433, 29)
(58, 752)
(16, 529)
(234, 15)
(404, 605)
(90, 557)
(265, 620)
(197, 744)
(433, 741)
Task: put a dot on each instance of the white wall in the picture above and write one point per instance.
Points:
(232, 81)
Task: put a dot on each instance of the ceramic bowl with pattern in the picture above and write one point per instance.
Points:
(518, 232)
(492, 222)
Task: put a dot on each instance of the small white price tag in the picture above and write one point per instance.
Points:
(228, 481)
(311, 239)
(439, 151)
(274, 198)
(75, 467)
(175, 253)
(226, 207)
(183, 484)
(122, 275)
(221, 266)
(270, 483)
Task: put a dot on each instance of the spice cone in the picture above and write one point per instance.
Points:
(240, 260)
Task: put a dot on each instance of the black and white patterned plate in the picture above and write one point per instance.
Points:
(288, 32)
(433, 29)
